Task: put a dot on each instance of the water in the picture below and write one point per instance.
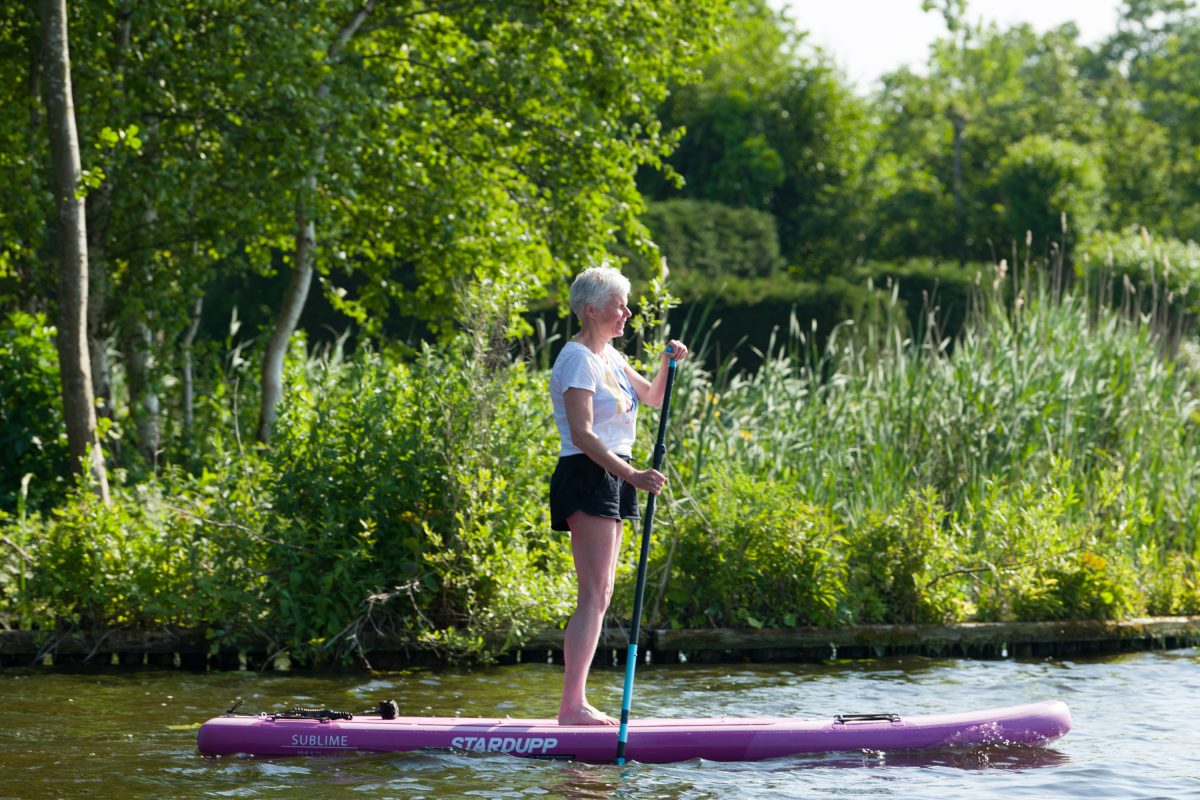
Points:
(132, 735)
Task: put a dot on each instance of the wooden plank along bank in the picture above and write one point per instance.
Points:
(989, 640)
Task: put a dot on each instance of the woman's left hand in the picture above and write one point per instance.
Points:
(675, 350)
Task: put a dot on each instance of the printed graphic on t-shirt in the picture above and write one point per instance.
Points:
(617, 382)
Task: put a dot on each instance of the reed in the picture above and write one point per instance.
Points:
(1053, 428)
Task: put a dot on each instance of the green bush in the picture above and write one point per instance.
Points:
(156, 556)
(928, 288)
(33, 436)
(1081, 586)
(1041, 179)
(1044, 560)
(1170, 582)
(1154, 276)
(709, 241)
(754, 555)
(906, 565)
(412, 497)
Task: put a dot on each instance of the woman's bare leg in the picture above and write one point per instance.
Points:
(595, 543)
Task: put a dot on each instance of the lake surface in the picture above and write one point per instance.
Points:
(116, 734)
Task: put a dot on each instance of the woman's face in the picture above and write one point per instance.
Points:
(611, 315)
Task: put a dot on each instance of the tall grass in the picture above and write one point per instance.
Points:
(1034, 382)
(1052, 428)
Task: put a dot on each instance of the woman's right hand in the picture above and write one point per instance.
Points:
(648, 480)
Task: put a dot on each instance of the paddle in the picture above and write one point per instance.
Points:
(660, 450)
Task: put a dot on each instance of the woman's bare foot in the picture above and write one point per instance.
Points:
(584, 715)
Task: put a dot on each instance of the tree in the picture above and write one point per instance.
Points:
(1161, 58)
(943, 135)
(78, 398)
(487, 145)
(398, 154)
(1046, 182)
(772, 126)
(304, 249)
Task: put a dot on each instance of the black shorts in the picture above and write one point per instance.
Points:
(580, 484)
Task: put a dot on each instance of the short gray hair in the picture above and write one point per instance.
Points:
(594, 285)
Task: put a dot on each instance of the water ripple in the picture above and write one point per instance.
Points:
(66, 735)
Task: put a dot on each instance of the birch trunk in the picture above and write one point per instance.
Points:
(189, 381)
(285, 323)
(304, 255)
(144, 403)
(79, 407)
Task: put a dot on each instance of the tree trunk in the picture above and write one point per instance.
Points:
(97, 336)
(79, 407)
(189, 381)
(144, 404)
(304, 256)
(289, 316)
(143, 401)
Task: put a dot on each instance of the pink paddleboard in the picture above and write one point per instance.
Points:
(650, 740)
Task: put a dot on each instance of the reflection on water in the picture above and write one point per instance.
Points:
(586, 782)
(65, 735)
(1010, 757)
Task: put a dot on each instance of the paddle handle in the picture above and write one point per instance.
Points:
(635, 630)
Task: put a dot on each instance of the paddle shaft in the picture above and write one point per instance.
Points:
(631, 655)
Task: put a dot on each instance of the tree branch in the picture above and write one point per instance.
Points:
(350, 28)
(20, 550)
(235, 526)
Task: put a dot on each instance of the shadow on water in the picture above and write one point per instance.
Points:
(585, 780)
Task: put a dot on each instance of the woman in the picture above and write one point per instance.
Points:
(596, 396)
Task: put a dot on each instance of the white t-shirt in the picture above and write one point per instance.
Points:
(614, 401)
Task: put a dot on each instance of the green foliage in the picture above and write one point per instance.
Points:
(513, 137)
(856, 442)
(1155, 276)
(1155, 58)
(873, 413)
(1042, 560)
(25, 274)
(906, 565)
(436, 149)
(1044, 467)
(945, 134)
(1086, 586)
(1049, 186)
(755, 555)
(936, 294)
(33, 438)
(705, 242)
(1171, 582)
(409, 497)
(147, 560)
(772, 128)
